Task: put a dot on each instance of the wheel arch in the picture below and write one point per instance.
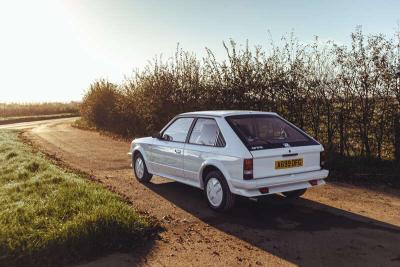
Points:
(208, 167)
(138, 149)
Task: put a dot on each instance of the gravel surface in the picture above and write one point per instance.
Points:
(332, 225)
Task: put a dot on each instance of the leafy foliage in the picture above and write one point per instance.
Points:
(346, 97)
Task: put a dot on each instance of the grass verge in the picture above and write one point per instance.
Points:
(52, 216)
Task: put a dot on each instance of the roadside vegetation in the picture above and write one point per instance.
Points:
(347, 97)
(49, 215)
(8, 110)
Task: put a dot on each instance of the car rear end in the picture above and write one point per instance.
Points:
(283, 157)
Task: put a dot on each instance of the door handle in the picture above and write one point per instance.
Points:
(178, 151)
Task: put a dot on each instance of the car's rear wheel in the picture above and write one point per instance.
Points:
(140, 169)
(294, 193)
(217, 193)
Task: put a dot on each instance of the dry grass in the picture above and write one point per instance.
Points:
(9, 120)
(37, 109)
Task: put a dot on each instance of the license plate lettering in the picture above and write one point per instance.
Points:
(290, 163)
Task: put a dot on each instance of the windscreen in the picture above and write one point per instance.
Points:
(267, 131)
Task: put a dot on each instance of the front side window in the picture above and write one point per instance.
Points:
(178, 130)
(206, 132)
(267, 131)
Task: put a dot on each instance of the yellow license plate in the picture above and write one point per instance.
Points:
(290, 163)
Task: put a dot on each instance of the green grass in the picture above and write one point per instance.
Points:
(49, 215)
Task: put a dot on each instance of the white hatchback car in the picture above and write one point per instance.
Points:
(230, 153)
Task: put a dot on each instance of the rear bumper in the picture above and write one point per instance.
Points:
(277, 184)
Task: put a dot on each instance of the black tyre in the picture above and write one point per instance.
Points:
(217, 193)
(294, 193)
(140, 169)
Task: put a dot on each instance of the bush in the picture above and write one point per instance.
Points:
(346, 97)
(101, 104)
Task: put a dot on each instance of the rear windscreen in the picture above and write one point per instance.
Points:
(267, 131)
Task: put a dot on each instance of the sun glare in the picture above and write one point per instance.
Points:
(46, 55)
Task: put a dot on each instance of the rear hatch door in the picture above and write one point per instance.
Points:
(284, 161)
(278, 147)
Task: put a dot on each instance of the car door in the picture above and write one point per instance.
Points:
(205, 141)
(167, 152)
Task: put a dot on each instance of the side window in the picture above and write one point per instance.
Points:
(206, 132)
(178, 130)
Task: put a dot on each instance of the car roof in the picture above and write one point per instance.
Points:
(224, 113)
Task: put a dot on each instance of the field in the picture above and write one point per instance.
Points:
(16, 113)
(9, 120)
(9, 110)
(51, 215)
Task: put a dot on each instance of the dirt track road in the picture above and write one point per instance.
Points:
(333, 225)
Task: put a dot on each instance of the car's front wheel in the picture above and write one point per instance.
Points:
(217, 193)
(140, 169)
(294, 193)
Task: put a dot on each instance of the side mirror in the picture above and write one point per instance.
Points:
(156, 135)
(166, 137)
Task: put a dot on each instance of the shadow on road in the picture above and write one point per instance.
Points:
(301, 231)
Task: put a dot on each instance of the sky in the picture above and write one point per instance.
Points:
(51, 50)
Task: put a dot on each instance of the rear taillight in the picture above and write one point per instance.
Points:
(248, 169)
(264, 190)
(322, 159)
